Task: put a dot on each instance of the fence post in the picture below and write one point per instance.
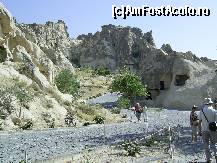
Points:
(170, 141)
(104, 137)
(25, 152)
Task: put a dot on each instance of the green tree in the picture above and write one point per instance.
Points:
(123, 102)
(67, 83)
(129, 84)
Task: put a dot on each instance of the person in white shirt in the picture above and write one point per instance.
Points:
(208, 114)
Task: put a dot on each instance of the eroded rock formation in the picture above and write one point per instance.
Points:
(52, 38)
(28, 62)
(175, 79)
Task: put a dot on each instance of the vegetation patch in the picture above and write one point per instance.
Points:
(67, 82)
(91, 84)
(14, 91)
(99, 119)
(70, 118)
(26, 125)
(102, 71)
(123, 102)
(131, 147)
(129, 84)
(115, 110)
(88, 112)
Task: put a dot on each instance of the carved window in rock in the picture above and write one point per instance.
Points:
(162, 86)
(180, 80)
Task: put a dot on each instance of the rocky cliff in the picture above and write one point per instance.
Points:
(175, 79)
(52, 38)
(27, 71)
(171, 77)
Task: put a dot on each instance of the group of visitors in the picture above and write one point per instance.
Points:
(204, 125)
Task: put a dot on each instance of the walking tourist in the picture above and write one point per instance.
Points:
(194, 122)
(138, 111)
(207, 115)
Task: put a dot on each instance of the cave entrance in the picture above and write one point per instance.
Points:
(181, 79)
(162, 86)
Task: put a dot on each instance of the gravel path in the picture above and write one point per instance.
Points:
(46, 144)
(185, 152)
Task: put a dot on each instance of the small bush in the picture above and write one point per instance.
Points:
(46, 103)
(115, 110)
(26, 125)
(132, 148)
(87, 69)
(22, 161)
(52, 123)
(86, 124)
(153, 140)
(48, 119)
(99, 119)
(6, 99)
(103, 71)
(10, 91)
(67, 83)
(87, 109)
(70, 118)
(22, 94)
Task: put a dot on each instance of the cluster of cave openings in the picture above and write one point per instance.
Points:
(181, 79)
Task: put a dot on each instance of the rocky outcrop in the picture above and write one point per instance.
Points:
(174, 79)
(28, 62)
(52, 38)
(113, 47)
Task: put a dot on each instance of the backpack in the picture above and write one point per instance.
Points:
(194, 119)
(212, 125)
(138, 109)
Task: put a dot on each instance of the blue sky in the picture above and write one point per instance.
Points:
(196, 34)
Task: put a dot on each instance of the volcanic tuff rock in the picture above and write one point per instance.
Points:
(175, 79)
(24, 62)
(52, 38)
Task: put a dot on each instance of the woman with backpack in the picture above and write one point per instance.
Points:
(138, 111)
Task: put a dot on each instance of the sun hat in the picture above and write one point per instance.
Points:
(208, 101)
(194, 107)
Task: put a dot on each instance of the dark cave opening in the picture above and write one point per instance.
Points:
(181, 79)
